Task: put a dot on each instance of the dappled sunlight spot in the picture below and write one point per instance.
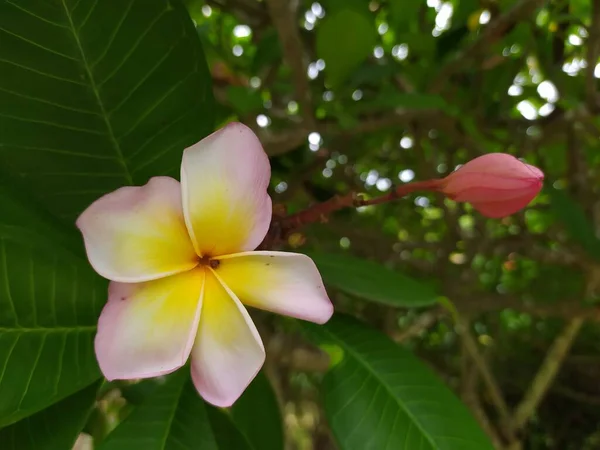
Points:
(378, 52)
(575, 40)
(443, 19)
(237, 50)
(406, 175)
(314, 141)
(328, 96)
(371, 178)
(423, 202)
(281, 187)
(255, 82)
(573, 67)
(382, 28)
(263, 121)
(484, 17)
(357, 95)
(515, 90)
(400, 52)
(383, 184)
(242, 31)
(527, 110)
(457, 258)
(292, 107)
(547, 90)
(345, 243)
(406, 142)
(317, 10)
(546, 109)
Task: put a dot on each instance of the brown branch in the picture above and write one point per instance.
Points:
(488, 379)
(421, 324)
(546, 373)
(470, 395)
(285, 21)
(278, 143)
(589, 399)
(490, 34)
(320, 211)
(480, 303)
(593, 53)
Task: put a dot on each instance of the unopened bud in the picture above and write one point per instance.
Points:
(496, 184)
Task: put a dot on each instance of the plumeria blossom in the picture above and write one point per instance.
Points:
(496, 184)
(182, 268)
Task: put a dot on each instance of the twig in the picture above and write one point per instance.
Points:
(469, 394)
(490, 34)
(286, 141)
(488, 379)
(581, 397)
(320, 211)
(285, 21)
(422, 323)
(546, 373)
(593, 53)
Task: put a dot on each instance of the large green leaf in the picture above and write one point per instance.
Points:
(573, 217)
(174, 417)
(97, 94)
(372, 281)
(49, 305)
(257, 415)
(55, 428)
(344, 40)
(380, 397)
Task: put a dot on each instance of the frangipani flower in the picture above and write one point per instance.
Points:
(496, 184)
(181, 265)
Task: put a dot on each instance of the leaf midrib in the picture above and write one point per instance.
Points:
(120, 158)
(374, 374)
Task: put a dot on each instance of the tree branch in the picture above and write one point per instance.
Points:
(492, 386)
(547, 372)
(593, 53)
(278, 143)
(490, 34)
(284, 18)
(470, 395)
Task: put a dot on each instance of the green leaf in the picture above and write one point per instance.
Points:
(98, 94)
(405, 15)
(268, 50)
(345, 38)
(175, 417)
(257, 415)
(55, 428)
(381, 397)
(573, 217)
(244, 100)
(372, 281)
(49, 305)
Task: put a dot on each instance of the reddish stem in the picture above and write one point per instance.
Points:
(320, 211)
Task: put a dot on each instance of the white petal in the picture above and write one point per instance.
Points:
(228, 352)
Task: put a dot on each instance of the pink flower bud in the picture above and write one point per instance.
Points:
(496, 184)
